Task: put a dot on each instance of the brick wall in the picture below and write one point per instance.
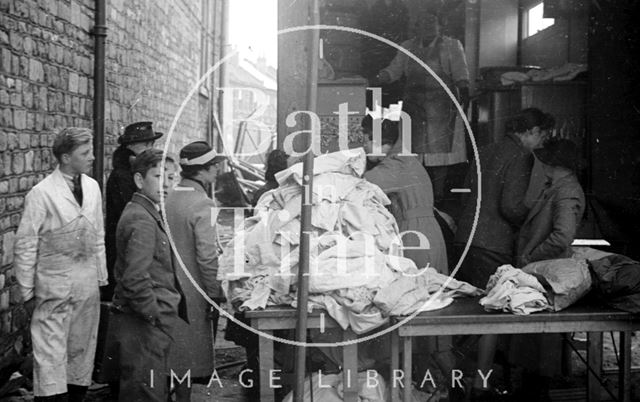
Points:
(153, 54)
(153, 60)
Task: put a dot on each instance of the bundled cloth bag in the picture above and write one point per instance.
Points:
(616, 281)
(566, 280)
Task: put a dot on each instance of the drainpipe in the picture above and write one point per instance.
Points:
(224, 35)
(211, 105)
(100, 33)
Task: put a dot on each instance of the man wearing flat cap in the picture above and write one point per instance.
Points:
(137, 137)
(189, 215)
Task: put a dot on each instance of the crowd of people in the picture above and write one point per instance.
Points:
(141, 262)
(157, 318)
(65, 262)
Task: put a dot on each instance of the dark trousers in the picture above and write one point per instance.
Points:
(479, 264)
(75, 393)
(137, 352)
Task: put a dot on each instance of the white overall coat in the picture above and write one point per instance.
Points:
(60, 260)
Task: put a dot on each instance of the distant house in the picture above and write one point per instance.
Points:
(250, 119)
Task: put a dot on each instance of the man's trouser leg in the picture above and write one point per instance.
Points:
(49, 332)
(143, 352)
(63, 333)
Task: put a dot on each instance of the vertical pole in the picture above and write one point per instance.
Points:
(307, 201)
(594, 360)
(100, 33)
(624, 369)
(521, 24)
(224, 35)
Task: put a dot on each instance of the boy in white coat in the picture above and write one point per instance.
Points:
(59, 263)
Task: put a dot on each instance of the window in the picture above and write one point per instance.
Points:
(534, 20)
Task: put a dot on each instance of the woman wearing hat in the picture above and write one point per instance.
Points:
(551, 225)
(137, 137)
(189, 215)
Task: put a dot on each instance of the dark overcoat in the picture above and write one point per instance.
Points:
(189, 214)
(552, 223)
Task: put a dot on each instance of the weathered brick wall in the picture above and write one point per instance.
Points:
(45, 75)
(153, 53)
(153, 61)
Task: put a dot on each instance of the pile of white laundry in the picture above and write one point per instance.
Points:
(550, 285)
(512, 290)
(357, 272)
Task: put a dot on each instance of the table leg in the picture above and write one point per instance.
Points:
(594, 359)
(350, 367)
(624, 371)
(406, 367)
(567, 357)
(395, 363)
(265, 355)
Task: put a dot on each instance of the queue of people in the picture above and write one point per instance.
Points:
(61, 263)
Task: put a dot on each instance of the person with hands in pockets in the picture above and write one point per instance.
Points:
(147, 303)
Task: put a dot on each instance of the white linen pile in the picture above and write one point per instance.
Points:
(357, 272)
(513, 290)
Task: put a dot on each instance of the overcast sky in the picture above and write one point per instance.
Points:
(253, 28)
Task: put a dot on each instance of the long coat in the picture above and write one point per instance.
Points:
(505, 171)
(189, 214)
(552, 223)
(408, 185)
(147, 304)
(120, 189)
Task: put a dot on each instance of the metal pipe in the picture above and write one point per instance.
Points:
(307, 201)
(521, 24)
(100, 34)
(223, 79)
(212, 105)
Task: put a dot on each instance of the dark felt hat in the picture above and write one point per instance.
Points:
(560, 152)
(199, 153)
(141, 131)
